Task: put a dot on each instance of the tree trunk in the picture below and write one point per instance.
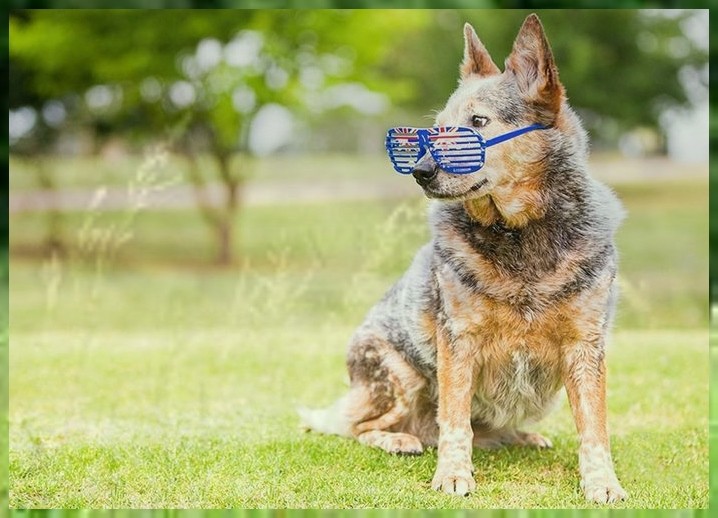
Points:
(226, 224)
(54, 242)
(220, 219)
(224, 229)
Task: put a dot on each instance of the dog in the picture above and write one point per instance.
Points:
(512, 298)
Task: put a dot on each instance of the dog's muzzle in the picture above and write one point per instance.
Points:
(424, 172)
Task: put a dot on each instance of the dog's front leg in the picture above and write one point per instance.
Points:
(585, 381)
(455, 376)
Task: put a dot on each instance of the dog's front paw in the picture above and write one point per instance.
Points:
(604, 491)
(454, 482)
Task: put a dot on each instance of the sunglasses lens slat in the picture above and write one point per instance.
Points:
(404, 148)
(466, 161)
(457, 150)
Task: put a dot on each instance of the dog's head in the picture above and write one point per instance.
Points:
(495, 102)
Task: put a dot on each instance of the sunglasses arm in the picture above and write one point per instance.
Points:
(511, 134)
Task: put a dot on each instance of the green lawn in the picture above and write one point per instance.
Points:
(147, 378)
(204, 418)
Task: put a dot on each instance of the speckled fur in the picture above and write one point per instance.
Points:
(510, 301)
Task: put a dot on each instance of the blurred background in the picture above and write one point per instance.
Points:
(239, 99)
(245, 142)
(201, 212)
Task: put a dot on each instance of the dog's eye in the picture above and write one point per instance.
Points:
(479, 121)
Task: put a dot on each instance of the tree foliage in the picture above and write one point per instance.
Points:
(61, 54)
(198, 78)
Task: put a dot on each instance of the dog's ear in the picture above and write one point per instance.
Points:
(476, 58)
(532, 65)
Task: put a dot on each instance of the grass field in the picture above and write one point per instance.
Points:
(144, 377)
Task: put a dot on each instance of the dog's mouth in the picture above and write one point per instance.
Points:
(444, 196)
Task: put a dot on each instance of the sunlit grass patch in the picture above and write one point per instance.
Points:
(206, 418)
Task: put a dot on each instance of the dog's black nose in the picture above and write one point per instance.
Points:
(425, 173)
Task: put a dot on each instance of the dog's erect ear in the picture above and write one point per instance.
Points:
(476, 58)
(531, 63)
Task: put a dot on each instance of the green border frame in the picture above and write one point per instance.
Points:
(361, 513)
(713, 349)
(713, 274)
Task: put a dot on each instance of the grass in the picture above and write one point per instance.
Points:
(205, 419)
(149, 385)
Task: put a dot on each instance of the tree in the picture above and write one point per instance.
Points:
(204, 81)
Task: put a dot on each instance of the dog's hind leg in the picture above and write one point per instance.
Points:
(391, 387)
(381, 400)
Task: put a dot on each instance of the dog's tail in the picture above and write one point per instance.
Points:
(333, 420)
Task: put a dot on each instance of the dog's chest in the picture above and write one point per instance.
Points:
(518, 353)
(518, 370)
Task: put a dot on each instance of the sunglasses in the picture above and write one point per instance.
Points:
(455, 149)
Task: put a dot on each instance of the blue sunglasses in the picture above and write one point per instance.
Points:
(455, 149)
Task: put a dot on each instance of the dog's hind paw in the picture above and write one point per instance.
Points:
(534, 439)
(392, 442)
(495, 439)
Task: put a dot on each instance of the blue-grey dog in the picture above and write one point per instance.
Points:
(512, 298)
